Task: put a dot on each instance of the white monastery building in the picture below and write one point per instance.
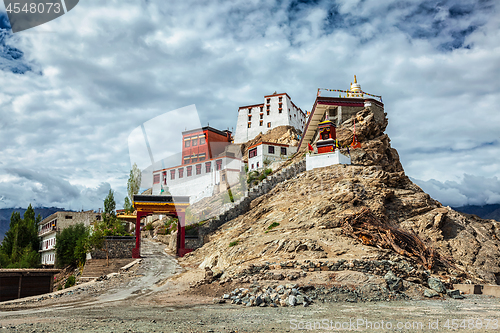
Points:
(277, 110)
(268, 152)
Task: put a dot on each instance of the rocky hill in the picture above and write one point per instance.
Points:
(359, 216)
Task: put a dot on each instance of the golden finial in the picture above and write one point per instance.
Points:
(355, 81)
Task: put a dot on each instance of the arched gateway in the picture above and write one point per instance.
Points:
(161, 204)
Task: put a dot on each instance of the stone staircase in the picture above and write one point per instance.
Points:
(95, 268)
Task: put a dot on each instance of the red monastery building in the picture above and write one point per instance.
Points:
(209, 164)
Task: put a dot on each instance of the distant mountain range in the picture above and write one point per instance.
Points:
(485, 212)
(5, 214)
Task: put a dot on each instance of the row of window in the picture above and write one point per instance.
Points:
(189, 171)
(48, 226)
(49, 242)
(260, 124)
(194, 140)
(48, 258)
(194, 158)
(270, 150)
(268, 101)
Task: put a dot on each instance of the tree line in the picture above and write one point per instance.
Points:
(20, 246)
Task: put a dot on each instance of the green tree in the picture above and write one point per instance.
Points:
(109, 205)
(19, 248)
(71, 245)
(128, 206)
(134, 182)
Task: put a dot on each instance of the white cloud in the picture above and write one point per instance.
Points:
(105, 68)
(470, 190)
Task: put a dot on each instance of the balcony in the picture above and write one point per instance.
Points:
(47, 230)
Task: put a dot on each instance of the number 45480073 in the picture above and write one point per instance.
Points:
(33, 8)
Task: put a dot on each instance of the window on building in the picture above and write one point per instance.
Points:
(164, 178)
(268, 100)
(186, 159)
(257, 165)
(250, 118)
(268, 124)
(280, 98)
(268, 112)
(218, 165)
(187, 142)
(68, 217)
(270, 149)
(156, 178)
(194, 142)
(202, 140)
(261, 116)
(172, 174)
(181, 172)
(260, 122)
(249, 125)
(268, 106)
(280, 105)
(223, 178)
(189, 171)
(283, 150)
(252, 165)
(198, 169)
(252, 153)
(261, 108)
(250, 110)
(208, 167)
(280, 110)
(202, 157)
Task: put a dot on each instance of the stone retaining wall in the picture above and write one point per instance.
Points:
(117, 248)
(242, 205)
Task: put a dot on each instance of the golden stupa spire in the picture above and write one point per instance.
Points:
(355, 81)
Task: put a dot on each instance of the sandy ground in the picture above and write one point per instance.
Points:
(148, 299)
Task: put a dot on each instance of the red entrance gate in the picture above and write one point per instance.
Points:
(161, 204)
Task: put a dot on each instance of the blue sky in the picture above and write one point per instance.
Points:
(73, 89)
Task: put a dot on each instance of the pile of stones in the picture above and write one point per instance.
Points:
(282, 295)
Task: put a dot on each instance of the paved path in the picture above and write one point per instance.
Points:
(156, 267)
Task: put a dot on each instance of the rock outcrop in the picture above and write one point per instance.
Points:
(302, 218)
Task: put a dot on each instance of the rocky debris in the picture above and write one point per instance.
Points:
(430, 293)
(394, 283)
(273, 296)
(454, 294)
(436, 285)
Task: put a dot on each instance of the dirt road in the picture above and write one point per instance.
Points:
(145, 302)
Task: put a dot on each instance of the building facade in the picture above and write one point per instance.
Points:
(277, 110)
(210, 164)
(55, 223)
(340, 109)
(265, 153)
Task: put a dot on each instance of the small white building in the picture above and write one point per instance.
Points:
(315, 161)
(268, 152)
(51, 225)
(277, 110)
